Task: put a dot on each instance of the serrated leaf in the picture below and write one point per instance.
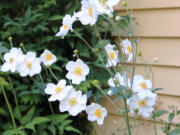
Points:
(3, 82)
(160, 112)
(171, 116)
(175, 132)
(28, 117)
(55, 18)
(39, 120)
(70, 128)
(52, 129)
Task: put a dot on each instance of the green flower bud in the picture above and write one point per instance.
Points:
(76, 51)
(10, 38)
(124, 3)
(139, 53)
(136, 110)
(97, 50)
(102, 1)
(95, 82)
(48, 66)
(21, 45)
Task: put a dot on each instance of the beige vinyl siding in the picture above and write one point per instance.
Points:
(159, 28)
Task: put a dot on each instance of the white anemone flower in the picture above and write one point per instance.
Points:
(96, 112)
(142, 105)
(88, 13)
(118, 80)
(77, 71)
(59, 91)
(30, 66)
(67, 25)
(106, 6)
(74, 103)
(127, 48)
(113, 55)
(12, 59)
(48, 58)
(142, 86)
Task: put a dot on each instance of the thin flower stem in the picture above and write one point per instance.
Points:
(155, 125)
(10, 110)
(94, 129)
(53, 74)
(15, 98)
(127, 117)
(11, 43)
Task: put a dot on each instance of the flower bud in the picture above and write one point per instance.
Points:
(136, 110)
(118, 18)
(21, 45)
(97, 50)
(139, 53)
(155, 60)
(101, 1)
(48, 66)
(95, 82)
(10, 38)
(124, 3)
(110, 16)
(76, 51)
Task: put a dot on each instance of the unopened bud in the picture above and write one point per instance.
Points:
(48, 66)
(95, 82)
(21, 45)
(118, 18)
(76, 51)
(97, 50)
(10, 38)
(136, 110)
(155, 60)
(124, 3)
(139, 53)
(110, 16)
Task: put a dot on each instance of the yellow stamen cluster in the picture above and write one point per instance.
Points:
(112, 55)
(48, 57)
(143, 85)
(65, 27)
(90, 11)
(98, 113)
(11, 60)
(78, 71)
(142, 103)
(29, 64)
(72, 101)
(129, 49)
(58, 89)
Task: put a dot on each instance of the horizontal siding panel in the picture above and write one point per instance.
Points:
(167, 78)
(163, 103)
(116, 125)
(149, 4)
(158, 23)
(165, 49)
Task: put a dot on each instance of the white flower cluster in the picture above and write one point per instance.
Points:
(26, 64)
(90, 10)
(143, 98)
(74, 101)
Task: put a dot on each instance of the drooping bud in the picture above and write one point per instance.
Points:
(10, 38)
(118, 18)
(21, 45)
(124, 3)
(76, 51)
(139, 53)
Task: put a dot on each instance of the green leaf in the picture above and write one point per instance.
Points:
(52, 129)
(3, 82)
(39, 120)
(30, 126)
(3, 112)
(28, 117)
(171, 116)
(55, 18)
(175, 132)
(70, 128)
(157, 89)
(160, 112)
(177, 125)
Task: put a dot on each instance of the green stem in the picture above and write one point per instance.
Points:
(155, 126)
(127, 117)
(10, 110)
(15, 98)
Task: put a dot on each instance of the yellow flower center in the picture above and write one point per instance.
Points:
(98, 113)
(90, 10)
(143, 85)
(29, 64)
(78, 71)
(72, 101)
(58, 89)
(112, 55)
(142, 103)
(11, 60)
(65, 27)
(48, 57)
(129, 49)
(102, 1)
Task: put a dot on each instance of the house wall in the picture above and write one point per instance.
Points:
(159, 28)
